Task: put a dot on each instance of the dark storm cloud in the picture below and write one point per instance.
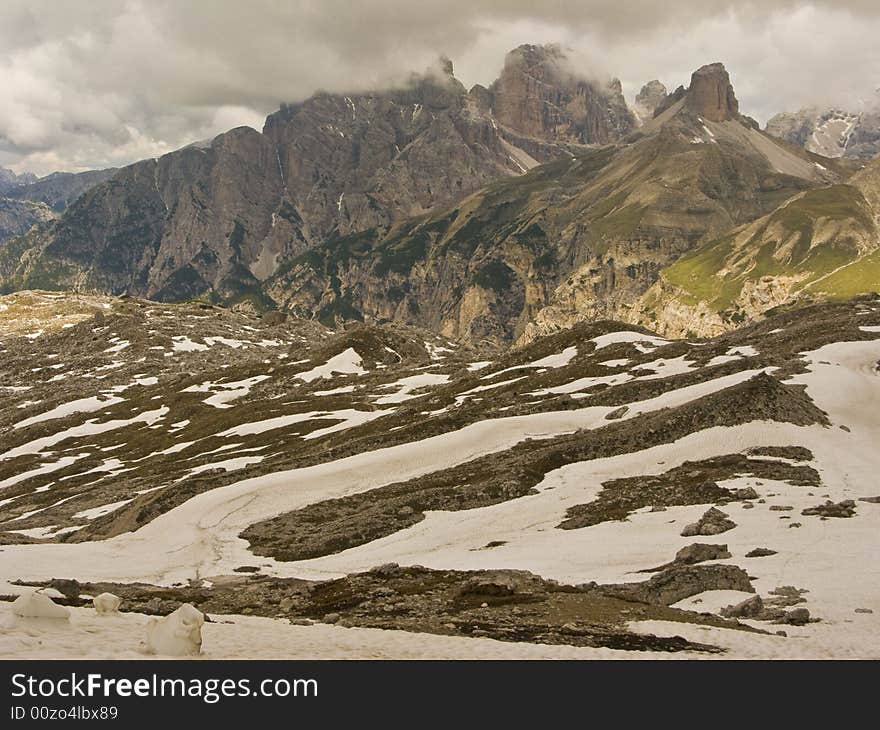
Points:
(89, 83)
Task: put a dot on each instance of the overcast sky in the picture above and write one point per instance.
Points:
(97, 83)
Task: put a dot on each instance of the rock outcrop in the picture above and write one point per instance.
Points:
(539, 94)
(711, 95)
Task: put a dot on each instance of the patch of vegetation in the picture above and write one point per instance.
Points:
(495, 276)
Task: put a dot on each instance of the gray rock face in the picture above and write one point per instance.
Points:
(540, 95)
(18, 217)
(649, 98)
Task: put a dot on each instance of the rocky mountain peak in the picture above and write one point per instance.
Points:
(540, 95)
(711, 94)
(648, 99)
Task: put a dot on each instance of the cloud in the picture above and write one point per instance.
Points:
(102, 82)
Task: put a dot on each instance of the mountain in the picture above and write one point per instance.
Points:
(649, 98)
(599, 492)
(59, 189)
(580, 238)
(539, 96)
(10, 180)
(822, 243)
(17, 217)
(830, 132)
(218, 219)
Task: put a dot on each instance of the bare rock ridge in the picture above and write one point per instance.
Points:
(711, 94)
(217, 219)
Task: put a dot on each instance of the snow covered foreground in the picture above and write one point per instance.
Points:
(835, 559)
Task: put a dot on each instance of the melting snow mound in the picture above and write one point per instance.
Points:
(178, 633)
(106, 603)
(39, 605)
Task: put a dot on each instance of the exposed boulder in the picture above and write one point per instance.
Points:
(713, 522)
(699, 552)
(683, 581)
(846, 508)
(760, 552)
(750, 608)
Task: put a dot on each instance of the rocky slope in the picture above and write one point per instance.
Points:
(59, 189)
(820, 244)
(19, 216)
(217, 219)
(581, 238)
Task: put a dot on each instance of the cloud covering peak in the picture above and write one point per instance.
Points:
(98, 83)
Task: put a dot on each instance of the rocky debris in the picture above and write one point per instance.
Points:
(745, 493)
(750, 608)
(682, 581)
(781, 508)
(106, 603)
(617, 413)
(713, 522)
(870, 500)
(795, 617)
(694, 482)
(177, 634)
(846, 508)
(760, 610)
(330, 526)
(864, 610)
(760, 552)
(711, 95)
(507, 605)
(386, 570)
(795, 453)
(39, 605)
(700, 552)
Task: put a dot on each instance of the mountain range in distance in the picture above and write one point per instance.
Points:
(495, 214)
